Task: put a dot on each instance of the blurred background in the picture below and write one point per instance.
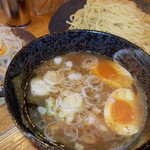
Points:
(41, 7)
(0, 5)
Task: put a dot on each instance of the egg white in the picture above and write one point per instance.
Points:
(128, 96)
(124, 79)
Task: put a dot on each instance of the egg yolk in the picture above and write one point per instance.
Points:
(122, 112)
(106, 70)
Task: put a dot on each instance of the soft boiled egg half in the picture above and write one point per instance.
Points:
(112, 74)
(121, 112)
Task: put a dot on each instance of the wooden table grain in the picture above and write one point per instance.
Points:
(10, 137)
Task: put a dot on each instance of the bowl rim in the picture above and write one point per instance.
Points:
(41, 143)
(73, 31)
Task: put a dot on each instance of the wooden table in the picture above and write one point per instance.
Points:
(10, 137)
(38, 25)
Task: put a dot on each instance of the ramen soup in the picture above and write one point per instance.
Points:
(86, 102)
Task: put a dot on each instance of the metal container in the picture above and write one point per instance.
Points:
(16, 12)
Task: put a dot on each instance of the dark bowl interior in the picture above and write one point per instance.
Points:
(135, 60)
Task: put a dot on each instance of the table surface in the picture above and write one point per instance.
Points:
(10, 136)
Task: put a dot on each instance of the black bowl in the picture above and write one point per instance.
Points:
(134, 59)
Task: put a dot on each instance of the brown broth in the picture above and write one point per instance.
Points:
(94, 138)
